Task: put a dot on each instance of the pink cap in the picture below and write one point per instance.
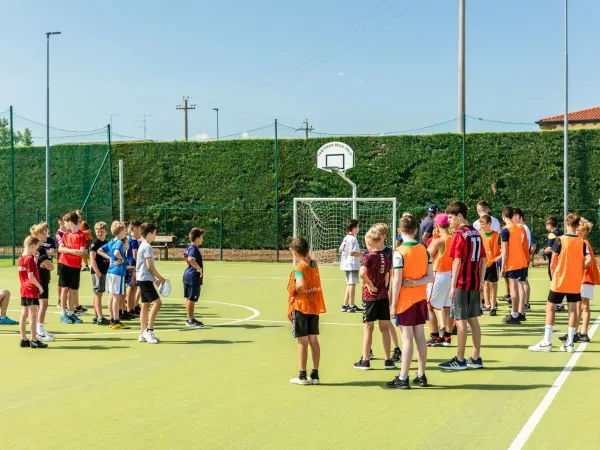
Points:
(442, 220)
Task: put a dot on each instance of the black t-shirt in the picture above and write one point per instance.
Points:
(49, 244)
(43, 256)
(103, 264)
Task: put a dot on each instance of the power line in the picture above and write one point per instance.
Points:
(55, 128)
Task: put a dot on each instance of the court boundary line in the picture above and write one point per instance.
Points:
(546, 402)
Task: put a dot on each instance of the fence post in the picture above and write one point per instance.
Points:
(110, 177)
(276, 195)
(464, 154)
(12, 189)
(166, 225)
(221, 237)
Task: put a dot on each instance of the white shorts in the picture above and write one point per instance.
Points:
(587, 291)
(115, 284)
(351, 277)
(438, 292)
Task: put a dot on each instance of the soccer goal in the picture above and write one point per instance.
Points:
(322, 221)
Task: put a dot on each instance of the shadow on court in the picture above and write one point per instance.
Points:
(207, 341)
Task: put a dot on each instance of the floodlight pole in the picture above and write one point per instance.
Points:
(48, 34)
(354, 195)
(566, 119)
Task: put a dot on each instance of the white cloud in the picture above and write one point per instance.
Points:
(202, 136)
(340, 74)
(245, 135)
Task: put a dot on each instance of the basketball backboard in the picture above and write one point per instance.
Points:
(335, 156)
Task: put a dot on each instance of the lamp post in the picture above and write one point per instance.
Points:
(48, 34)
(217, 110)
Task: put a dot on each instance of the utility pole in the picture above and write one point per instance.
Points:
(305, 127)
(110, 116)
(185, 109)
(217, 110)
(144, 126)
(461, 67)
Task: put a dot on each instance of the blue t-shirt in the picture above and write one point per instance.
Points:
(133, 245)
(110, 248)
(191, 275)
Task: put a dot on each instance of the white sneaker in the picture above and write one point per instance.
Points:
(314, 381)
(141, 338)
(150, 337)
(46, 337)
(541, 347)
(299, 381)
(567, 348)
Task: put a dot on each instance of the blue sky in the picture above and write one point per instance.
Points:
(348, 66)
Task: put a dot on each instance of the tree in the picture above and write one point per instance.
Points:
(21, 137)
(24, 138)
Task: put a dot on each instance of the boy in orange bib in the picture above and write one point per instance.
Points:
(412, 271)
(491, 244)
(569, 261)
(305, 304)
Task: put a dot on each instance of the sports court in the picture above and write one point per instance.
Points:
(227, 386)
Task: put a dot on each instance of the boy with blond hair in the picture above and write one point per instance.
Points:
(45, 266)
(100, 264)
(375, 274)
(115, 276)
(30, 293)
(569, 261)
(412, 272)
(350, 263)
(305, 304)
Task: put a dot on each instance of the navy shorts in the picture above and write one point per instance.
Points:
(520, 274)
(192, 291)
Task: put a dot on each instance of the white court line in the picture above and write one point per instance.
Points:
(539, 412)
(255, 313)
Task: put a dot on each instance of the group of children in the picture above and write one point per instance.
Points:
(122, 267)
(454, 274)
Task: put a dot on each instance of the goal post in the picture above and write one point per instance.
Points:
(322, 221)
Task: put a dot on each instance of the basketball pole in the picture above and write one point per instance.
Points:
(354, 195)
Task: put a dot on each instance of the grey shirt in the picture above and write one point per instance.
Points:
(142, 273)
(426, 227)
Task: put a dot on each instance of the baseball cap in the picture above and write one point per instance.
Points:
(442, 220)
(432, 210)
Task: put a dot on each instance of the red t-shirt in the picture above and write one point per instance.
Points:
(468, 246)
(26, 265)
(74, 241)
(378, 264)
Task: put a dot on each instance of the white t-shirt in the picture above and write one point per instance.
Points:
(142, 273)
(349, 245)
(528, 233)
(495, 225)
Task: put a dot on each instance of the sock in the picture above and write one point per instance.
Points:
(71, 313)
(314, 373)
(40, 328)
(515, 315)
(152, 329)
(403, 378)
(2, 317)
(420, 374)
(570, 335)
(436, 335)
(302, 375)
(548, 334)
(64, 311)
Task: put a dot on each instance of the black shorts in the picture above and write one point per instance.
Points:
(519, 274)
(304, 324)
(148, 291)
(30, 301)
(59, 267)
(557, 298)
(192, 291)
(491, 273)
(45, 283)
(69, 277)
(376, 310)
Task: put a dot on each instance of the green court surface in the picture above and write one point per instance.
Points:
(228, 386)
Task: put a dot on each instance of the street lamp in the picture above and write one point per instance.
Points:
(217, 110)
(48, 34)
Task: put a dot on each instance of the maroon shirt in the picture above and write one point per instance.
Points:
(378, 264)
(468, 246)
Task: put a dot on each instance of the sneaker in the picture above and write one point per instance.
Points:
(80, 310)
(354, 309)
(371, 355)
(95, 321)
(141, 338)
(75, 319)
(362, 365)
(58, 304)
(25, 343)
(583, 337)
(421, 381)
(103, 321)
(38, 344)
(522, 317)
(344, 309)
(567, 348)
(65, 318)
(7, 321)
(85, 269)
(45, 337)
(475, 363)
(510, 320)
(120, 326)
(447, 342)
(454, 364)
(126, 316)
(397, 355)
(300, 381)
(454, 331)
(493, 312)
(541, 347)
(434, 341)
(559, 308)
(527, 307)
(193, 323)
(397, 383)
(576, 338)
(389, 364)
(150, 337)
(133, 314)
(505, 298)
(486, 308)
(313, 378)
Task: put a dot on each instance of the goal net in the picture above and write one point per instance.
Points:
(322, 221)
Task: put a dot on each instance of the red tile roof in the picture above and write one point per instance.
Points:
(585, 115)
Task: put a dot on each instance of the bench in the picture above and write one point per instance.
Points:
(164, 242)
